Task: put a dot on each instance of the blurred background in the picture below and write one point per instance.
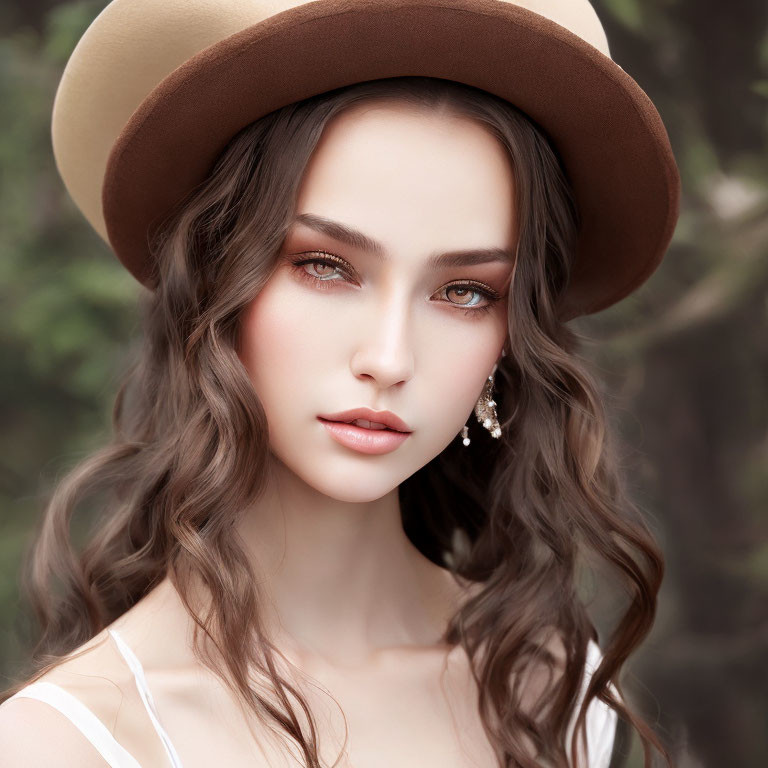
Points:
(685, 358)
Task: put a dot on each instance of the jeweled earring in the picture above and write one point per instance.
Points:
(485, 411)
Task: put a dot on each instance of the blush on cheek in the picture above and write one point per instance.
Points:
(265, 332)
(284, 334)
(460, 358)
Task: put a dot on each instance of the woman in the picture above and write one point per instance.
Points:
(359, 472)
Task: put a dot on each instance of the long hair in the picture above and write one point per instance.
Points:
(523, 517)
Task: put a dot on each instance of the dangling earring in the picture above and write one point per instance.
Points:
(485, 411)
(485, 408)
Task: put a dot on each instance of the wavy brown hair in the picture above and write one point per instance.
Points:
(523, 517)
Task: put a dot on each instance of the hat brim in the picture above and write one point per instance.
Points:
(611, 139)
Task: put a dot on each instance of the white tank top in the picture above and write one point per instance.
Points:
(90, 726)
(601, 719)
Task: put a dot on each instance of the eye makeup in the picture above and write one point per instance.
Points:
(346, 271)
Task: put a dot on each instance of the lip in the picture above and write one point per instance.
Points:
(387, 418)
(362, 439)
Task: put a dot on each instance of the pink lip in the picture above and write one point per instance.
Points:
(387, 418)
(363, 440)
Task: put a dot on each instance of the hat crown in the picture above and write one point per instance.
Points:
(132, 45)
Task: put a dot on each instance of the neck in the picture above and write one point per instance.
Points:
(343, 582)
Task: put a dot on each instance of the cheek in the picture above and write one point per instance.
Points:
(289, 344)
(458, 361)
(275, 339)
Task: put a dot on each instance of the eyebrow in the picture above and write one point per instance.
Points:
(357, 239)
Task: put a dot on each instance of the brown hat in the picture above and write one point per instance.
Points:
(155, 89)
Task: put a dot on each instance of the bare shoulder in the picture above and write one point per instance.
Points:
(34, 734)
(97, 675)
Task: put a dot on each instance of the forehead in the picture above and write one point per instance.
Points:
(402, 173)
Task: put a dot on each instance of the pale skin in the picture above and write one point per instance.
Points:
(353, 605)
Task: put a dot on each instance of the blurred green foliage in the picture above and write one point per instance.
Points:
(68, 305)
(685, 358)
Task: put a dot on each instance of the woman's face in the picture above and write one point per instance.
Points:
(385, 327)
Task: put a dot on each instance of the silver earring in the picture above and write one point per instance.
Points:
(485, 408)
(485, 411)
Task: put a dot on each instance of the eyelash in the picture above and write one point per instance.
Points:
(332, 260)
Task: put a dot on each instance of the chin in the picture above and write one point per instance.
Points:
(356, 486)
(353, 481)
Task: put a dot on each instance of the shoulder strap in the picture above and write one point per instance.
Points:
(83, 719)
(146, 696)
(600, 721)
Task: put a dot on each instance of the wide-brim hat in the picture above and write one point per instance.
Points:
(155, 89)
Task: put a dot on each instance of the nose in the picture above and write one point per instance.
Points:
(386, 352)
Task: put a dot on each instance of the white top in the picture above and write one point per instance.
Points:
(601, 719)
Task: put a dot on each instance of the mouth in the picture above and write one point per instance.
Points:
(375, 439)
(366, 418)
(374, 426)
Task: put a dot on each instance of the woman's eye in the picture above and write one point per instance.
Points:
(473, 297)
(322, 269)
(468, 296)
